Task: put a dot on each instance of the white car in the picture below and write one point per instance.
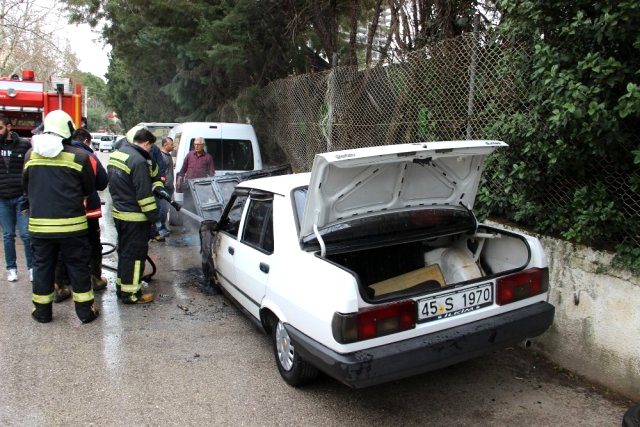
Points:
(96, 137)
(373, 267)
(106, 143)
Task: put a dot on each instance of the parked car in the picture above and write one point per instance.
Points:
(96, 138)
(106, 143)
(373, 267)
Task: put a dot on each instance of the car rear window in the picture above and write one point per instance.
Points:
(385, 228)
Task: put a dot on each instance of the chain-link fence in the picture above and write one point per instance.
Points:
(453, 90)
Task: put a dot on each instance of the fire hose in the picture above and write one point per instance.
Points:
(161, 194)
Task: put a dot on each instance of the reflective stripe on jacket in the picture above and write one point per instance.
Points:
(57, 188)
(130, 172)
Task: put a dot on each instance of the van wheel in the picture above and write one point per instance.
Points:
(292, 368)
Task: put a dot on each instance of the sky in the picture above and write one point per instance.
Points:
(90, 49)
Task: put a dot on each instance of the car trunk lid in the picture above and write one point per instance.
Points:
(377, 181)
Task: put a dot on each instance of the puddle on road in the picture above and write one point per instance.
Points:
(182, 241)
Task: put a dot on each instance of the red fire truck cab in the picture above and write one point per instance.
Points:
(26, 101)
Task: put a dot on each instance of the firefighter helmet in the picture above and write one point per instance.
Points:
(60, 123)
(132, 132)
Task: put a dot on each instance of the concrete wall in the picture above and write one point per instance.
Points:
(596, 331)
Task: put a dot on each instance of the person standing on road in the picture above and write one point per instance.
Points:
(57, 178)
(82, 139)
(134, 210)
(13, 150)
(197, 164)
(166, 149)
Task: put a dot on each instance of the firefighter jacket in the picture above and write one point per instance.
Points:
(131, 184)
(56, 179)
(93, 204)
(12, 153)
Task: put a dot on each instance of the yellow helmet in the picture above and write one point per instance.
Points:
(60, 123)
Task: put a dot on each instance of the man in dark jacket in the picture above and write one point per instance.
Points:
(81, 138)
(163, 205)
(12, 150)
(57, 178)
(134, 210)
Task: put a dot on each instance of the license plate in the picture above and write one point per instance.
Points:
(454, 303)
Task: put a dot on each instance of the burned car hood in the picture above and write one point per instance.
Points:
(378, 181)
(211, 194)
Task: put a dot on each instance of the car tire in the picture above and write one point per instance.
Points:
(632, 417)
(293, 369)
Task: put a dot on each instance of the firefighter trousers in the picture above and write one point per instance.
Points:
(95, 258)
(73, 251)
(95, 261)
(133, 245)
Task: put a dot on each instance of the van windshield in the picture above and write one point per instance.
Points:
(229, 154)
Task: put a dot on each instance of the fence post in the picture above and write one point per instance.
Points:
(472, 75)
(331, 94)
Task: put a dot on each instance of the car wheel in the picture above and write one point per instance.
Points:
(292, 368)
(632, 417)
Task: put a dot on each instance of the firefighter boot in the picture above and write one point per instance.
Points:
(98, 283)
(42, 312)
(86, 311)
(60, 293)
(137, 298)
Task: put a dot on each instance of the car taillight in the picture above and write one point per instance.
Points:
(522, 285)
(374, 322)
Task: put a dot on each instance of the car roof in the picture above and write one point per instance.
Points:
(281, 184)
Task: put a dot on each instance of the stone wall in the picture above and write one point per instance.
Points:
(596, 330)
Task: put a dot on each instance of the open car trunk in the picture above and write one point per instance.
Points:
(432, 264)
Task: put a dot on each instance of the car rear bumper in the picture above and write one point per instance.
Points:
(425, 353)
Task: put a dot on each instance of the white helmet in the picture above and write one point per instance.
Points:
(60, 123)
(132, 132)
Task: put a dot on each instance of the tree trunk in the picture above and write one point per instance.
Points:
(373, 28)
(353, 57)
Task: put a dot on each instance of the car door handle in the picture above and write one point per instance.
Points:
(264, 267)
(231, 250)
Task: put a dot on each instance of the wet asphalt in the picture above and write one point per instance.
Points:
(191, 358)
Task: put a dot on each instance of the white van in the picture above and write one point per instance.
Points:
(234, 146)
(96, 138)
(160, 130)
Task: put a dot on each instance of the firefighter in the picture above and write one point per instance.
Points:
(134, 210)
(57, 178)
(81, 138)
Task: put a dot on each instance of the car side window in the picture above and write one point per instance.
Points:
(231, 223)
(258, 228)
(300, 199)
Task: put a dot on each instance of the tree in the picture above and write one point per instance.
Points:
(30, 39)
(189, 59)
(573, 137)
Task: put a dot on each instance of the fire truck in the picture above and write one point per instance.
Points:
(26, 101)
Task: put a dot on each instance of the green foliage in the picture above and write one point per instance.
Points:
(627, 257)
(578, 125)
